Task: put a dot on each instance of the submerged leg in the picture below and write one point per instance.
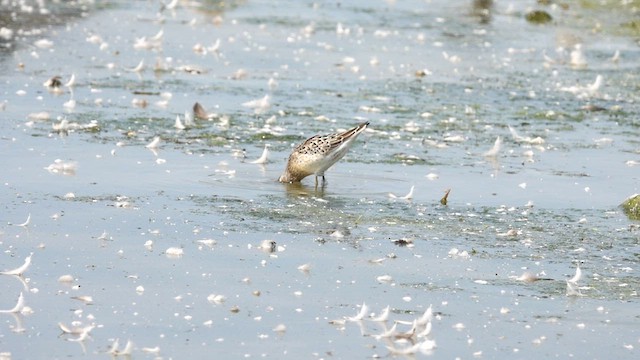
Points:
(316, 181)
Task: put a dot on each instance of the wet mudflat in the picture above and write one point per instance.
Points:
(153, 233)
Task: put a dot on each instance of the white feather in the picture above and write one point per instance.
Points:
(72, 81)
(389, 333)
(493, 152)
(139, 67)
(409, 196)
(20, 270)
(178, 125)
(27, 222)
(427, 316)
(263, 158)
(154, 143)
(16, 309)
(383, 316)
(363, 312)
(259, 106)
(114, 348)
(128, 348)
(577, 276)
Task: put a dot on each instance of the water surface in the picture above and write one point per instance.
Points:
(439, 82)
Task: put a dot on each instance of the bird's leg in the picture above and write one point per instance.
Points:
(316, 182)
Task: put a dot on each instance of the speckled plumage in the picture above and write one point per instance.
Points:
(318, 153)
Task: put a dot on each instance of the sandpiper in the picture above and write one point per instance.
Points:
(318, 153)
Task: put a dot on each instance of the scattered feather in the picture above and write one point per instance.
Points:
(456, 253)
(272, 84)
(65, 126)
(85, 299)
(19, 306)
(434, 143)
(83, 333)
(587, 91)
(67, 330)
(578, 60)
(154, 143)
(383, 316)
(66, 279)
(364, 309)
(62, 167)
(527, 277)
(409, 196)
(259, 106)
(153, 350)
(529, 140)
(207, 242)
(25, 224)
(128, 349)
(71, 82)
(138, 68)
(616, 57)
(43, 44)
(178, 124)
(263, 158)
(42, 115)
(20, 270)
(510, 233)
(113, 350)
(174, 252)
(390, 333)
(239, 74)
(377, 261)
(577, 276)
(493, 152)
(69, 105)
(152, 43)
(216, 299)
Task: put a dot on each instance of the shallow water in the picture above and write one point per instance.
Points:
(540, 206)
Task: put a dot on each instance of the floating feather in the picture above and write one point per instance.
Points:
(18, 308)
(263, 158)
(20, 270)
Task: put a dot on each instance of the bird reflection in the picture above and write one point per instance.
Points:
(482, 10)
(298, 189)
